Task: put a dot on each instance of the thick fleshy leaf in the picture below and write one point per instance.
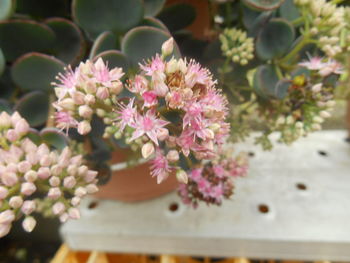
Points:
(154, 22)
(43, 8)
(265, 80)
(263, 5)
(2, 62)
(254, 20)
(34, 107)
(18, 37)
(54, 137)
(281, 88)
(35, 71)
(117, 16)
(6, 8)
(69, 45)
(144, 42)
(5, 106)
(34, 136)
(275, 39)
(178, 16)
(7, 87)
(105, 41)
(114, 58)
(153, 7)
(288, 10)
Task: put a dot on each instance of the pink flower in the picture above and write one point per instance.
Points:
(149, 125)
(196, 174)
(160, 167)
(64, 121)
(156, 64)
(187, 143)
(217, 192)
(138, 85)
(102, 74)
(314, 63)
(219, 170)
(149, 99)
(196, 74)
(330, 67)
(67, 83)
(126, 115)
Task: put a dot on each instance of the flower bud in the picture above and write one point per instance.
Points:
(82, 170)
(80, 192)
(171, 66)
(4, 229)
(3, 192)
(16, 201)
(7, 217)
(167, 47)
(28, 207)
(56, 170)
(28, 188)
(91, 188)
(75, 201)
(45, 160)
(78, 97)
(58, 208)
(29, 223)
(89, 99)
(9, 179)
(181, 176)
(12, 135)
(90, 176)
(172, 156)
(54, 181)
(32, 158)
(24, 166)
(162, 134)
(5, 120)
(44, 172)
(316, 88)
(64, 217)
(67, 104)
(116, 88)
(22, 127)
(28, 146)
(102, 93)
(54, 193)
(74, 213)
(84, 127)
(85, 111)
(30, 176)
(69, 182)
(147, 150)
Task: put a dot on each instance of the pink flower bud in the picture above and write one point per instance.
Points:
(147, 150)
(162, 134)
(84, 127)
(89, 99)
(82, 170)
(11, 168)
(67, 104)
(74, 213)
(58, 208)
(85, 111)
(28, 146)
(28, 188)
(181, 176)
(76, 160)
(7, 217)
(78, 97)
(167, 47)
(12, 135)
(29, 223)
(4, 229)
(90, 176)
(5, 120)
(54, 193)
(32, 158)
(24, 166)
(16, 201)
(3, 192)
(116, 88)
(28, 207)
(43, 150)
(75, 201)
(102, 93)
(69, 182)
(9, 179)
(64, 217)
(44, 172)
(64, 158)
(22, 127)
(171, 141)
(45, 160)
(72, 170)
(80, 192)
(160, 88)
(56, 170)
(31, 176)
(54, 181)
(173, 156)
(15, 117)
(91, 188)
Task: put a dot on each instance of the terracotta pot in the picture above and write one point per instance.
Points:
(134, 184)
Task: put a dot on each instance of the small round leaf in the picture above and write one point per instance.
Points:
(114, 58)
(34, 107)
(2, 62)
(35, 71)
(5, 106)
(54, 137)
(289, 11)
(154, 22)
(153, 7)
(263, 5)
(265, 80)
(105, 41)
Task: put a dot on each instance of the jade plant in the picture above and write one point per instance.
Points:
(81, 79)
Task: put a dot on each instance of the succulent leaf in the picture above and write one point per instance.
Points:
(153, 7)
(265, 80)
(5, 106)
(2, 62)
(289, 11)
(263, 5)
(154, 22)
(105, 41)
(114, 58)
(54, 137)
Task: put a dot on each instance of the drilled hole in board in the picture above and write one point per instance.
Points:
(173, 207)
(251, 154)
(264, 209)
(301, 186)
(93, 205)
(322, 153)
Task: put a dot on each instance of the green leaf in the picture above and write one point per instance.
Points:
(18, 37)
(6, 8)
(35, 71)
(54, 137)
(144, 42)
(263, 5)
(43, 8)
(153, 7)
(281, 88)
(2, 62)
(117, 16)
(114, 58)
(105, 41)
(5, 106)
(275, 39)
(154, 22)
(289, 11)
(265, 80)
(178, 16)
(69, 45)
(7, 87)
(34, 107)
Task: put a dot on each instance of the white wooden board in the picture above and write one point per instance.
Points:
(310, 224)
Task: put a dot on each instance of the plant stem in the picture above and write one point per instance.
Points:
(305, 40)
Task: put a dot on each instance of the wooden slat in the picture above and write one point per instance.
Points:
(97, 257)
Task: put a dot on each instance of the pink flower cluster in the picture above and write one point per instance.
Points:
(185, 91)
(81, 92)
(27, 169)
(213, 182)
(324, 68)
